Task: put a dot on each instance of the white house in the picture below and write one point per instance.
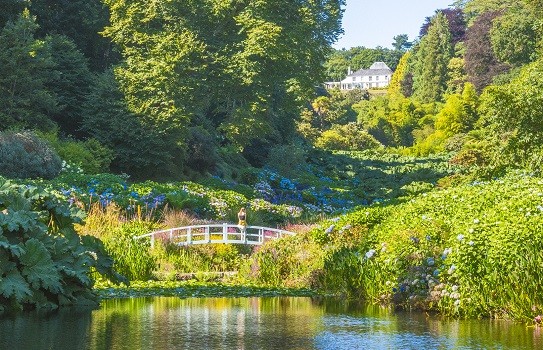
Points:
(377, 76)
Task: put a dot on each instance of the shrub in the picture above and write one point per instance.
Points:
(89, 155)
(349, 137)
(24, 155)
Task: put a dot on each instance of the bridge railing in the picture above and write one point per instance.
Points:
(216, 233)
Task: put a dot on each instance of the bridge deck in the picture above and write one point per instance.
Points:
(216, 233)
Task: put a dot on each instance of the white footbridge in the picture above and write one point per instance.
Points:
(216, 233)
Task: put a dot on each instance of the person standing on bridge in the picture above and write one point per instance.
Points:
(242, 218)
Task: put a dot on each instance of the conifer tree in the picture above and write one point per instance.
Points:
(26, 64)
(431, 61)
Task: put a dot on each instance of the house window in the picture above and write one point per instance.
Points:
(386, 77)
(370, 78)
(371, 84)
(354, 78)
(376, 77)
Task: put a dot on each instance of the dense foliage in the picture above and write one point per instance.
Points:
(44, 263)
(462, 251)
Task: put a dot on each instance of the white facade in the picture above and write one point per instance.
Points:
(377, 76)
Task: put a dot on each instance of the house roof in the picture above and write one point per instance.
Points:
(377, 68)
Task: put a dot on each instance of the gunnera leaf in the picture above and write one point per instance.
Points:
(38, 267)
(13, 285)
(14, 249)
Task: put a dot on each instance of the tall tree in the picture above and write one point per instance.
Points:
(457, 24)
(480, 61)
(26, 63)
(80, 20)
(395, 86)
(512, 115)
(513, 36)
(11, 9)
(70, 82)
(140, 149)
(431, 60)
(236, 63)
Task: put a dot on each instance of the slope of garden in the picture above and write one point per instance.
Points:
(473, 250)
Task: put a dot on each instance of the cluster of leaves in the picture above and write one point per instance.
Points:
(44, 263)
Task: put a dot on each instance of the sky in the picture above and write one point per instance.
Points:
(372, 23)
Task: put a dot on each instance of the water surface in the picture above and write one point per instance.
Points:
(254, 323)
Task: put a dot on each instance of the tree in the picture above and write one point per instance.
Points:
(511, 114)
(11, 9)
(246, 66)
(459, 113)
(69, 82)
(141, 149)
(475, 8)
(431, 60)
(395, 85)
(457, 75)
(336, 66)
(480, 61)
(513, 36)
(26, 63)
(456, 21)
(81, 21)
(401, 42)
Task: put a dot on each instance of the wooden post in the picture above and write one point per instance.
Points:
(189, 235)
(225, 232)
(152, 241)
(207, 235)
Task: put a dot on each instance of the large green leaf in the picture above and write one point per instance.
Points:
(23, 219)
(38, 267)
(14, 249)
(79, 269)
(6, 265)
(13, 285)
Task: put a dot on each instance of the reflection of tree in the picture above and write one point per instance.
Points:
(206, 323)
(65, 329)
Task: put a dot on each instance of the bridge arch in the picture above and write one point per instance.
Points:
(216, 234)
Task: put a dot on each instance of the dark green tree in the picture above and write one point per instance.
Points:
(11, 9)
(431, 60)
(70, 82)
(401, 42)
(27, 65)
(140, 149)
(80, 20)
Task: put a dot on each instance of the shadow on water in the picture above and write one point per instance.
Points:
(254, 323)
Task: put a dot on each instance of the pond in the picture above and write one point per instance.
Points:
(254, 323)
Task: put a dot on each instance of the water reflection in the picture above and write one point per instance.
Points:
(254, 323)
